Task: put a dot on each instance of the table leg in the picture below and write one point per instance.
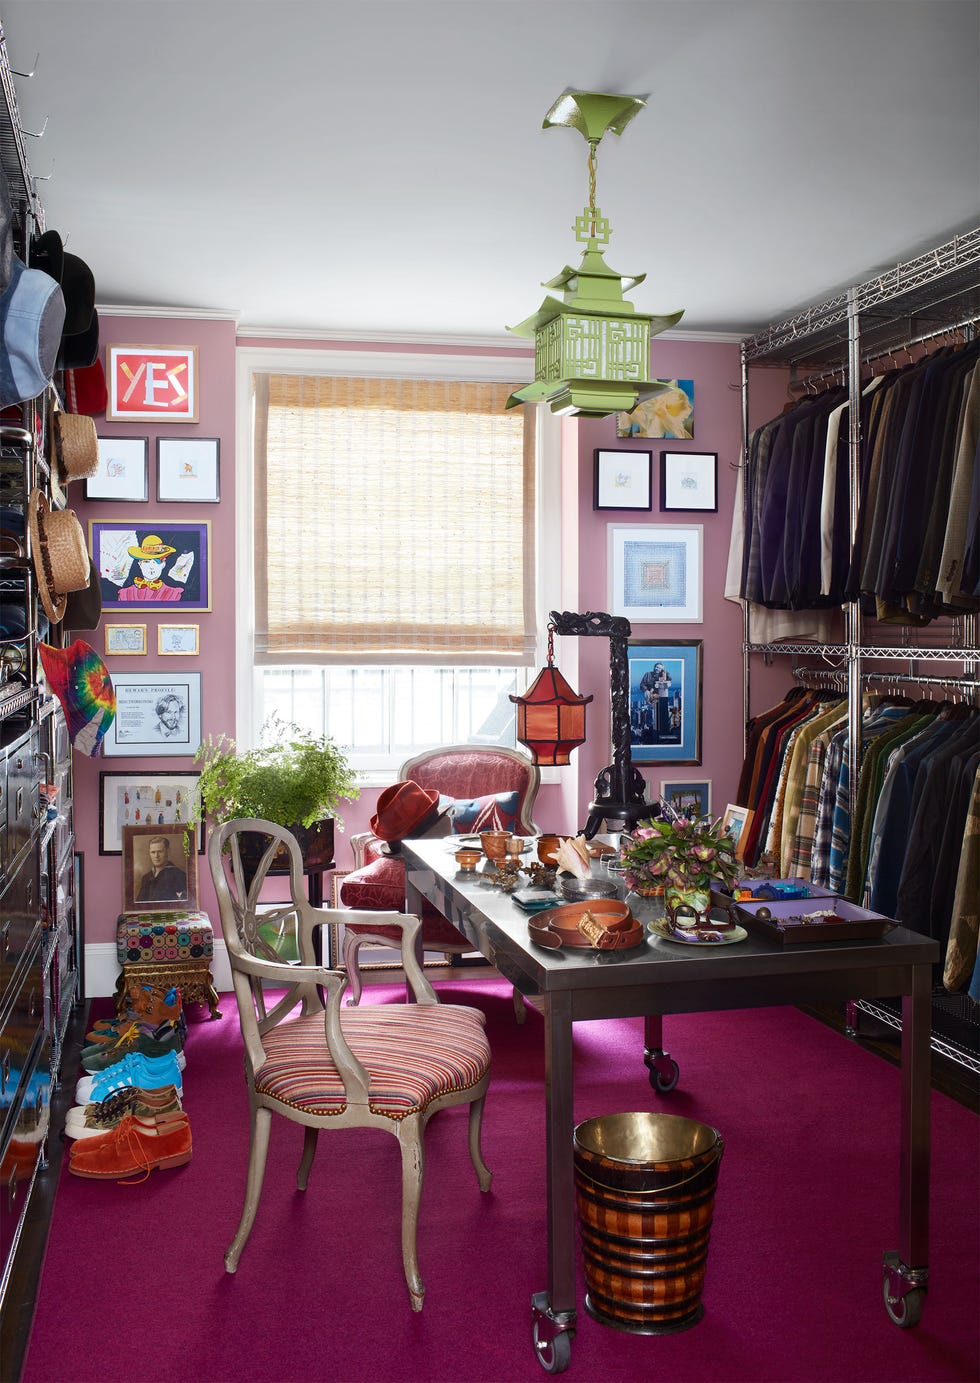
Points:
(664, 1070)
(554, 1312)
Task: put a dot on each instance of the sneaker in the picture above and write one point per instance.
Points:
(149, 1072)
(88, 1120)
(133, 1039)
(135, 1146)
(149, 1003)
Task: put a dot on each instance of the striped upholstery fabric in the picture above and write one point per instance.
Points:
(413, 1054)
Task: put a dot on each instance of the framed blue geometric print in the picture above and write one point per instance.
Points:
(655, 572)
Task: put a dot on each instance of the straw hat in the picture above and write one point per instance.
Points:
(151, 548)
(75, 446)
(61, 562)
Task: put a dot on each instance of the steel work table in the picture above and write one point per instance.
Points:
(660, 978)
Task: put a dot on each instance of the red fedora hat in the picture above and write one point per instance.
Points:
(404, 809)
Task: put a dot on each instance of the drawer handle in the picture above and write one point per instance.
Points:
(5, 1071)
(19, 802)
(5, 934)
(32, 1005)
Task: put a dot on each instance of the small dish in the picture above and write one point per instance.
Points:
(701, 936)
(468, 858)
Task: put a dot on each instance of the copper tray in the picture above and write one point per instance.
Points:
(785, 922)
(558, 927)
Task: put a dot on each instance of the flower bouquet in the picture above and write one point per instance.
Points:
(682, 856)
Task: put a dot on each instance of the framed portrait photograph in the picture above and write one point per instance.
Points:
(123, 470)
(156, 714)
(179, 639)
(655, 572)
(689, 481)
(734, 824)
(125, 638)
(623, 480)
(159, 868)
(155, 563)
(145, 799)
(689, 796)
(668, 413)
(151, 384)
(665, 701)
(187, 470)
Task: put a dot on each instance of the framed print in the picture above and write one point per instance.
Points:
(689, 481)
(155, 715)
(183, 639)
(623, 480)
(733, 823)
(151, 383)
(145, 799)
(689, 796)
(125, 638)
(667, 414)
(187, 470)
(152, 563)
(159, 868)
(665, 701)
(655, 573)
(123, 470)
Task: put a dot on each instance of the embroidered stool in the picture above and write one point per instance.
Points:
(167, 948)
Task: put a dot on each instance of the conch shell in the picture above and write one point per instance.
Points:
(572, 857)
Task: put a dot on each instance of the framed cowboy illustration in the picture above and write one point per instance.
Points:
(689, 481)
(145, 799)
(152, 383)
(159, 868)
(187, 470)
(156, 714)
(665, 702)
(123, 471)
(156, 563)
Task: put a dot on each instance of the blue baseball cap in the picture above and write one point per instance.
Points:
(32, 315)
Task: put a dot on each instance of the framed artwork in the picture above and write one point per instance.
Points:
(125, 638)
(151, 383)
(623, 480)
(733, 823)
(655, 572)
(155, 563)
(123, 470)
(155, 715)
(145, 799)
(670, 413)
(187, 470)
(179, 639)
(159, 868)
(689, 481)
(689, 796)
(665, 701)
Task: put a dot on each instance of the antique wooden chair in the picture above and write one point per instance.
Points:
(325, 1066)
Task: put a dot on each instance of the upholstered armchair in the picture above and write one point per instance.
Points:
(316, 1063)
(491, 787)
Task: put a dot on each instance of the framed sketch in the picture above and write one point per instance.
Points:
(689, 481)
(182, 639)
(151, 383)
(623, 480)
(669, 413)
(154, 563)
(665, 701)
(689, 796)
(734, 824)
(123, 470)
(145, 799)
(187, 470)
(125, 638)
(655, 572)
(159, 868)
(155, 715)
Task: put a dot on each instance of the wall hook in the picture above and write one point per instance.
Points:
(17, 73)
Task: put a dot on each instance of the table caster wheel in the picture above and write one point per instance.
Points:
(551, 1334)
(554, 1355)
(664, 1077)
(903, 1302)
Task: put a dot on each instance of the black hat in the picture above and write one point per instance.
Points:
(81, 350)
(84, 608)
(74, 275)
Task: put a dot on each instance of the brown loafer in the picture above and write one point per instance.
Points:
(134, 1148)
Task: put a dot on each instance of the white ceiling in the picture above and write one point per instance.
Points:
(380, 166)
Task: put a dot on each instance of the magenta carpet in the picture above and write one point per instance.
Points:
(134, 1288)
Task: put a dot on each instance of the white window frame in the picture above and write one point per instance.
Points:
(384, 365)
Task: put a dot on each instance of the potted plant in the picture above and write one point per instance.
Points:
(294, 778)
(678, 856)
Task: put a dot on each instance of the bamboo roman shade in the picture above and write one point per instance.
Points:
(394, 522)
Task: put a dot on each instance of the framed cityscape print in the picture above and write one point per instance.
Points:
(689, 481)
(655, 573)
(665, 701)
(153, 563)
(123, 471)
(156, 714)
(145, 799)
(688, 796)
(623, 479)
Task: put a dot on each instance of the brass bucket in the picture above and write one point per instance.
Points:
(645, 1191)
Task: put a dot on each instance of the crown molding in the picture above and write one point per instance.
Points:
(209, 314)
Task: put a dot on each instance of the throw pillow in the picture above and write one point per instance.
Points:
(495, 812)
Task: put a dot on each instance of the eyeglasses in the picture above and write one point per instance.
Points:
(686, 917)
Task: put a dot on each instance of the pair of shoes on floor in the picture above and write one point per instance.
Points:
(111, 1030)
(135, 1147)
(147, 1072)
(87, 1121)
(133, 1038)
(147, 1003)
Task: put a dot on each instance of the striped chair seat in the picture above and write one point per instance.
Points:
(448, 1046)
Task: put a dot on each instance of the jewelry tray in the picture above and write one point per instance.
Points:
(782, 921)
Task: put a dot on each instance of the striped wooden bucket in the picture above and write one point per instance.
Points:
(645, 1191)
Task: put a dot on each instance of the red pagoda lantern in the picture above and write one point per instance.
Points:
(550, 715)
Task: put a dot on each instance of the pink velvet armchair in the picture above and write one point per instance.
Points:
(491, 787)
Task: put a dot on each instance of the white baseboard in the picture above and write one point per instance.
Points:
(102, 969)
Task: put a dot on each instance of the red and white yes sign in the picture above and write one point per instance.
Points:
(152, 382)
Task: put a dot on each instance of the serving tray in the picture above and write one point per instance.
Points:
(801, 920)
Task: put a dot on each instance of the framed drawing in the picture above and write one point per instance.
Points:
(182, 639)
(145, 799)
(689, 796)
(623, 480)
(159, 868)
(125, 638)
(655, 573)
(733, 823)
(155, 715)
(151, 384)
(667, 414)
(689, 481)
(152, 564)
(665, 701)
(123, 470)
(187, 470)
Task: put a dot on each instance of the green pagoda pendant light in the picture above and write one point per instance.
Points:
(592, 347)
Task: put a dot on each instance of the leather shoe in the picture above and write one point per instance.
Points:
(100, 1055)
(149, 1003)
(88, 1120)
(137, 1145)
